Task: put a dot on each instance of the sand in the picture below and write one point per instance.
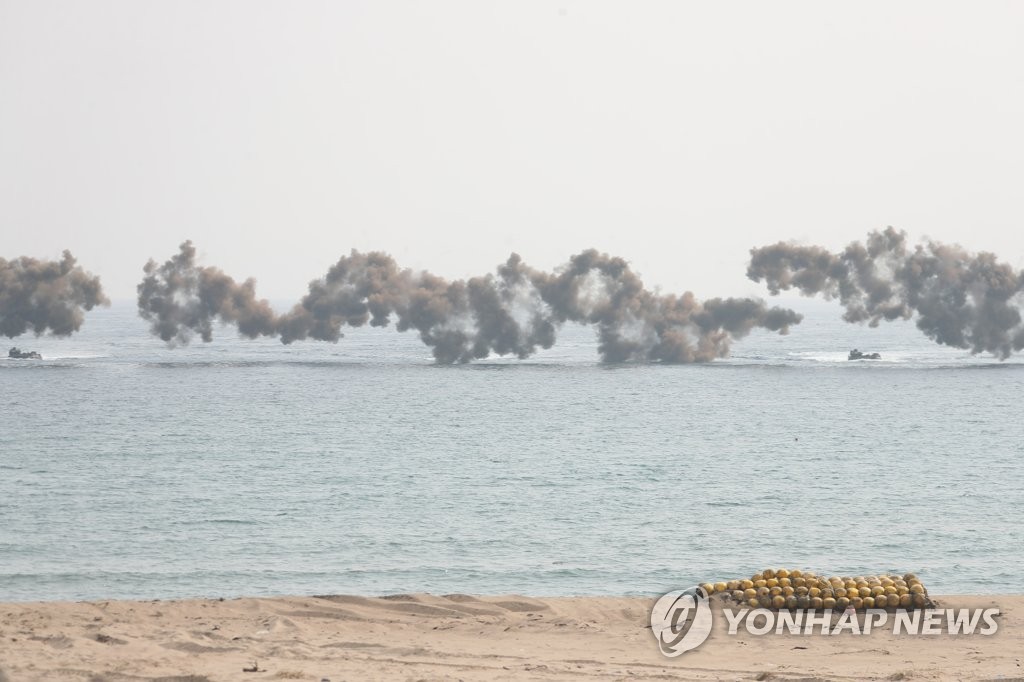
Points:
(423, 637)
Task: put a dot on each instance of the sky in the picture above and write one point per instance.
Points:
(678, 135)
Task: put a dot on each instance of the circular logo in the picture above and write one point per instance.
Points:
(681, 620)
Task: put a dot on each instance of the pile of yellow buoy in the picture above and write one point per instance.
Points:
(785, 589)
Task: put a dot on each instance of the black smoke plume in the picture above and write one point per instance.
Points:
(46, 296)
(180, 299)
(515, 311)
(960, 299)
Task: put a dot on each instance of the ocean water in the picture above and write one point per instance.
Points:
(131, 470)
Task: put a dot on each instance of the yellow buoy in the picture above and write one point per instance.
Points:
(785, 588)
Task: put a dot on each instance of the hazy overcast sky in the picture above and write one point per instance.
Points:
(279, 135)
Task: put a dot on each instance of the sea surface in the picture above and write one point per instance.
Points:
(132, 470)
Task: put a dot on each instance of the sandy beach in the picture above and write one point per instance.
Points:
(458, 637)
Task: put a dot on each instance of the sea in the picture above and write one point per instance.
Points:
(129, 469)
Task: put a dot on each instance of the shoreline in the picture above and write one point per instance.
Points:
(421, 636)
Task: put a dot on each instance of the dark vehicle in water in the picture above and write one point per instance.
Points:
(18, 354)
(857, 355)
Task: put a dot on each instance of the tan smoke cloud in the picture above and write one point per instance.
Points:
(960, 299)
(514, 311)
(45, 296)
